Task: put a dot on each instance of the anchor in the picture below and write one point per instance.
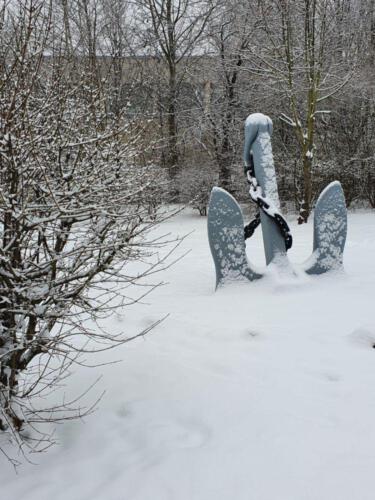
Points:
(227, 233)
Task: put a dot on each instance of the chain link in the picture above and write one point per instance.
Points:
(266, 206)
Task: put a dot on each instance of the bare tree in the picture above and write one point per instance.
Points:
(228, 92)
(72, 217)
(306, 59)
(174, 32)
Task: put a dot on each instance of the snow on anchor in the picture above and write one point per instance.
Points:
(227, 232)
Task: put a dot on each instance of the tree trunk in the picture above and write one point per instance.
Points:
(305, 208)
(172, 153)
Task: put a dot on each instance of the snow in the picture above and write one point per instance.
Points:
(268, 168)
(260, 391)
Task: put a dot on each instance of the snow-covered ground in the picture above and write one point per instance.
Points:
(261, 391)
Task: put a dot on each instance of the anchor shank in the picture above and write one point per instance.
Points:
(258, 130)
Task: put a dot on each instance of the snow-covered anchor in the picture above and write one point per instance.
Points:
(227, 232)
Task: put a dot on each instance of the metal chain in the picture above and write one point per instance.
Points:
(264, 204)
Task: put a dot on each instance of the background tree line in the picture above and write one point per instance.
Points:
(192, 70)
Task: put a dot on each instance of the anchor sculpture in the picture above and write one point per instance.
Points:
(226, 230)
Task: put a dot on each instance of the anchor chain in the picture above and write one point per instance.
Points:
(268, 208)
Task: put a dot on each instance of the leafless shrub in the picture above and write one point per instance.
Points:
(75, 209)
(195, 184)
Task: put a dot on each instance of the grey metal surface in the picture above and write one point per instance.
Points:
(330, 230)
(226, 238)
(226, 227)
(258, 131)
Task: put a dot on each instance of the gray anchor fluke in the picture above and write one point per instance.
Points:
(226, 238)
(330, 229)
(258, 130)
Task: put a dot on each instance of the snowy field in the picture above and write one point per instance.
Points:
(261, 391)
